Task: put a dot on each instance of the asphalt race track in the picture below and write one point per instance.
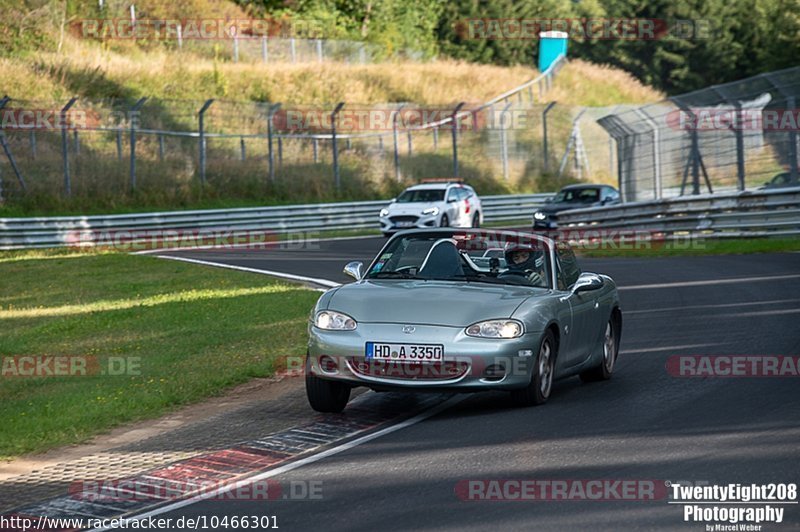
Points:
(643, 424)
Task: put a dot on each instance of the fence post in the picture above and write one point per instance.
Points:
(656, 152)
(264, 50)
(504, 140)
(33, 144)
(7, 150)
(242, 148)
(133, 117)
(119, 143)
(454, 120)
(336, 176)
(319, 50)
(271, 157)
(435, 138)
(410, 147)
(65, 147)
(545, 153)
(280, 152)
(161, 147)
(235, 46)
(396, 143)
(293, 50)
(202, 139)
(315, 146)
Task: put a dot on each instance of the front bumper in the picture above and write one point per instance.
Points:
(394, 223)
(470, 364)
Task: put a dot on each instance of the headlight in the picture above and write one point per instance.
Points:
(432, 211)
(334, 321)
(539, 215)
(384, 212)
(495, 329)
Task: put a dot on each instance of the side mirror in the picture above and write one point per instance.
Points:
(393, 200)
(587, 282)
(549, 200)
(353, 269)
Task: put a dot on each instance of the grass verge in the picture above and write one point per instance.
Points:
(185, 333)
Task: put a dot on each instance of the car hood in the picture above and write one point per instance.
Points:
(411, 208)
(429, 302)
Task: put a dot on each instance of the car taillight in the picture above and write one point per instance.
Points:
(467, 202)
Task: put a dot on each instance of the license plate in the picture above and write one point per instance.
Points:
(404, 224)
(405, 352)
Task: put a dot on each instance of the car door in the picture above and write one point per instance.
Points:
(584, 305)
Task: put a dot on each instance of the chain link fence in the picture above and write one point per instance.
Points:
(735, 136)
(105, 149)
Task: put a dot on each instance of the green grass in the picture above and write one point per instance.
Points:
(196, 331)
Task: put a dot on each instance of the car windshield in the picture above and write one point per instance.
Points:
(421, 195)
(579, 195)
(498, 258)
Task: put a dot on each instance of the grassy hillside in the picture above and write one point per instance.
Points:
(44, 66)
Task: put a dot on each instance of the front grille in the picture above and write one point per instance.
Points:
(396, 219)
(409, 371)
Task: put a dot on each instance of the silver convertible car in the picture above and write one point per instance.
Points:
(463, 310)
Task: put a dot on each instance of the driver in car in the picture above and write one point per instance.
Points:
(526, 263)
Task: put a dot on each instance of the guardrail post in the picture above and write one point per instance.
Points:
(396, 143)
(545, 155)
(454, 120)
(133, 117)
(271, 157)
(7, 150)
(336, 176)
(504, 139)
(202, 139)
(65, 147)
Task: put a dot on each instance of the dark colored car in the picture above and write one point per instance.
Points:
(573, 197)
(782, 180)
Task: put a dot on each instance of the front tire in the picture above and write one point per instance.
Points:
(324, 395)
(604, 371)
(538, 391)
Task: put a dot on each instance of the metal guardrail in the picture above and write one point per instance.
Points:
(57, 231)
(739, 214)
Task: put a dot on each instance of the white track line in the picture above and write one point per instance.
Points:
(281, 275)
(736, 280)
(441, 407)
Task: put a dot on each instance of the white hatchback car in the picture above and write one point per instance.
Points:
(441, 204)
